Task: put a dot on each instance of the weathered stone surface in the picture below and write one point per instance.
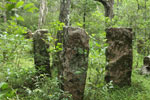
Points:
(75, 61)
(119, 56)
(41, 55)
(146, 61)
(29, 34)
(145, 70)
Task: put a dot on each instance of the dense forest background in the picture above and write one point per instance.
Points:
(19, 19)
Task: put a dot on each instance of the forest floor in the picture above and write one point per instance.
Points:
(20, 77)
(139, 89)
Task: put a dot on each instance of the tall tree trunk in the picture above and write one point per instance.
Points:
(138, 5)
(64, 18)
(4, 16)
(64, 11)
(84, 14)
(118, 4)
(108, 6)
(43, 12)
(145, 17)
(4, 11)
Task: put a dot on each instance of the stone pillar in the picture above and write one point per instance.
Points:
(41, 54)
(75, 61)
(119, 56)
(146, 61)
(145, 70)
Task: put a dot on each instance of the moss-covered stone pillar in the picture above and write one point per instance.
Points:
(41, 54)
(146, 61)
(119, 56)
(145, 70)
(75, 61)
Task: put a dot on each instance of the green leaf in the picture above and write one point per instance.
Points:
(93, 34)
(10, 93)
(80, 50)
(78, 72)
(1, 7)
(4, 85)
(31, 9)
(12, 1)
(9, 7)
(28, 6)
(20, 18)
(1, 95)
(59, 44)
(79, 24)
(19, 4)
(2, 75)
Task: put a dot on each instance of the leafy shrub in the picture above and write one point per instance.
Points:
(6, 91)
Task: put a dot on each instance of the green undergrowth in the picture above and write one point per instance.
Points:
(18, 81)
(22, 83)
(139, 90)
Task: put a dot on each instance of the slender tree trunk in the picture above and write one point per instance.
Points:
(138, 5)
(108, 6)
(43, 12)
(145, 15)
(5, 20)
(64, 18)
(64, 11)
(84, 14)
(4, 12)
(118, 4)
